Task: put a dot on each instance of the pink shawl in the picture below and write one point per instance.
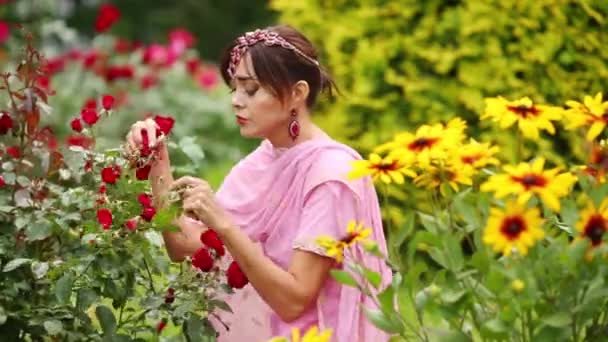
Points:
(266, 190)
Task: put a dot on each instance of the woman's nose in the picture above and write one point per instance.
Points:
(236, 102)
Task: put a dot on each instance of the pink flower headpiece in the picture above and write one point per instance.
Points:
(268, 38)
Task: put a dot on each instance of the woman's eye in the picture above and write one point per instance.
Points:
(251, 91)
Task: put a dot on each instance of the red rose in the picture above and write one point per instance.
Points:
(116, 72)
(236, 278)
(202, 260)
(165, 123)
(212, 240)
(170, 296)
(107, 102)
(14, 151)
(142, 173)
(76, 125)
(91, 104)
(2, 182)
(6, 122)
(192, 65)
(122, 45)
(155, 55)
(107, 16)
(131, 224)
(148, 213)
(102, 189)
(145, 200)
(145, 144)
(207, 78)
(149, 81)
(89, 116)
(161, 325)
(5, 31)
(110, 174)
(88, 165)
(80, 140)
(104, 217)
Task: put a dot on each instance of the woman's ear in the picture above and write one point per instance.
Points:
(300, 92)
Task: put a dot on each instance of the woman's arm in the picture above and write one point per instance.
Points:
(289, 293)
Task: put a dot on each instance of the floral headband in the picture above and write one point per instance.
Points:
(269, 38)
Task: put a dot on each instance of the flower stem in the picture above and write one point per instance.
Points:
(149, 276)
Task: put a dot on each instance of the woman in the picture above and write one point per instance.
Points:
(275, 202)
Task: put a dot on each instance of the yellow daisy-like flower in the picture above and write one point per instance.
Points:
(335, 248)
(593, 224)
(515, 228)
(452, 175)
(428, 143)
(527, 179)
(530, 117)
(591, 112)
(476, 155)
(388, 169)
(312, 335)
(597, 166)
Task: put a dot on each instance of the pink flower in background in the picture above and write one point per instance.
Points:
(192, 65)
(156, 55)
(207, 78)
(54, 65)
(116, 72)
(90, 58)
(149, 81)
(180, 40)
(107, 16)
(5, 31)
(122, 45)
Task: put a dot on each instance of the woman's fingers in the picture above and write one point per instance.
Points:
(186, 181)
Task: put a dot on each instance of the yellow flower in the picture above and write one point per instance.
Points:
(388, 169)
(476, 154)
(518, 285)
(312, 335)
(592, 112)
(597, 166)
(515, 228)
(427, 144)
(527, 179)
(452, 175)
(593, 224)
(335, 248)
(530, 117)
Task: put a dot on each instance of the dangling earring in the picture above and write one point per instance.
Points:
(294, 125)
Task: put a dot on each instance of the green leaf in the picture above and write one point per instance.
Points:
(598, 194)
(430, 223)
(38, 230)
(85, 298)
(39, 269)
(558, 320)
(63, 288)
(198, 330)
(386, 298)
(344, 278)
(397, 237)
(3, 316)
(220, 304)
(373, 277)
(15, 263)
(451, 296)
(192, 149)
(380, 320)
(106, 319)
(53, 327)
(448, 336)
(164, 218)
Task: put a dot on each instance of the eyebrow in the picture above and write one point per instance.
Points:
(245, 78)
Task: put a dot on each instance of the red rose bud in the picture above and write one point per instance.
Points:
(131, 224)
(107, 102)
(165, 123)
(210, 239)
(5, 31)
(2, 182)
(142, 173)
(236, 277)
(145, 200)
(6, 122)
(202, 260)
(107, 16)
(148, 213)
(89, 116)
(90, 104)
(170, 296)
(110, 174)
(76, 125)
(14, 152)
(102, 189)
(88, 165)
(145, 144)
(161, 325)
(104, 217)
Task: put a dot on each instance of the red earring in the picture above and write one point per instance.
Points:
(294, 125)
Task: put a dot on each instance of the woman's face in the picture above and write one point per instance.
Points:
(259, 113)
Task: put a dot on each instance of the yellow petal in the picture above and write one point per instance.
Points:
(595, 130)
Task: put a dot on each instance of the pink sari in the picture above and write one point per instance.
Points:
(284, 199)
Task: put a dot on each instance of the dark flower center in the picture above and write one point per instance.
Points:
(595, 229)
(392, 166)
(422, 143)
(530, 180)
(512, 227)
(349, 238)
(524, 111)
(470, 159)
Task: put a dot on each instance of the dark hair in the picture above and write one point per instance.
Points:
(278, 68)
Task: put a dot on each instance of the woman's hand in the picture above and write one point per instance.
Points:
(199, 203)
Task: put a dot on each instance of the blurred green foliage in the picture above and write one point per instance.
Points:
(402, 63)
